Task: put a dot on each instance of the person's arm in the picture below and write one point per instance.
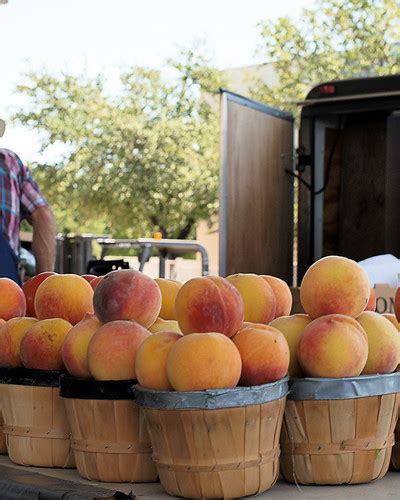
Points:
(44, 238)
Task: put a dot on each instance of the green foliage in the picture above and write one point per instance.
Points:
(143, 160)
(334, 40)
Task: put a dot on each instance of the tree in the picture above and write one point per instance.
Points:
(145, 159)
(334, 40)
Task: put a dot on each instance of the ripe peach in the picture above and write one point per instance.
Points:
(11, 334)
(95, 281)
(88, 277)
(151, 360)
(209, 304)
(164, 325)
(42, 343)
(264, 352)
(258, 297)
(371, 305)
(334, 285)
(74, 350)
(283, 295)
(12, 302)
(396, 304)
(127, 295)
(292, 328)
(203, 361)
(333, 346)
(383, 343)
(392, 318)
(169, 290)
(29, 288)
(66, 296)
(112, 350)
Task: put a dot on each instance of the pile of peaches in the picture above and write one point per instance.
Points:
(207, 333)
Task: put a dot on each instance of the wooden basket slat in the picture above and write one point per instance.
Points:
(3, 445)
(42, 410)
(99, 423)
(350, 423)
(216, 453)
(395, 458)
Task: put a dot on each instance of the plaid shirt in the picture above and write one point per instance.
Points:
(19, 196)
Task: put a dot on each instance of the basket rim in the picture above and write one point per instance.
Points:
(309, 388)
(211, 399)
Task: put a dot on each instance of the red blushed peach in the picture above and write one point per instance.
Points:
(371, 305)
(209, 304)
(74, 350)
(169, 290)
(112, 350)
(151, 360)
(94, 282)
(88, 277)
(283, 295)
(12, 300)
(66, 296)
(292, 328)
(127, 295)
(264, 352)
(11, 334)
(333, 346)
(334, 285)
(42, 343)
(258, 297)
(383, 343)
(203, 361)
(392, 318)
(29, 288)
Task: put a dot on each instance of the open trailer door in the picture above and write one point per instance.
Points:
(256, 192)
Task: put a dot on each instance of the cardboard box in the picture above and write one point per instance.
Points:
(384, 299)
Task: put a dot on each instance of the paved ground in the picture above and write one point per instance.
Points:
(388, 487)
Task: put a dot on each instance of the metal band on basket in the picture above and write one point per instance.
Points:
(348, 446)
(269, 456)
(126, 447)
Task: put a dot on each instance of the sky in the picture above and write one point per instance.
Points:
(105, 36)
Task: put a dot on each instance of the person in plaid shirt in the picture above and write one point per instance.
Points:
(20, 198)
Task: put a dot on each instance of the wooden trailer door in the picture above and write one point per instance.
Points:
(256, 193)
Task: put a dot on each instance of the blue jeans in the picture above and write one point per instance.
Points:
(8, 261)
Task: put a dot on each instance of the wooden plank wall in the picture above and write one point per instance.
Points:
(258, 193)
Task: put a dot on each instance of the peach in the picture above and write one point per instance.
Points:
(383, 343)
(334, 285)
(42, 343)
(169, 290)
(164, 325)
(95, 281)
(151, 360)
(283, 295)
(292, 328)
(112, 350)
(13, 302)
(392, 318)
(258, 297)
(29, 288)
(74, 350)
(396, 304)
(203, 361)
(11, 334)
(264, 352)
(66, 296)
(127, 295)
(371, 305)
(209, 304)
(88, 277)
(333, 346)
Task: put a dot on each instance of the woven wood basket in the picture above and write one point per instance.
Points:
(3, 445)
(109, 436)
(395, 460)
(225, 452)
(339, 441)
(36, 426)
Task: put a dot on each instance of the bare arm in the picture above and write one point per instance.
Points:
(44, 238)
